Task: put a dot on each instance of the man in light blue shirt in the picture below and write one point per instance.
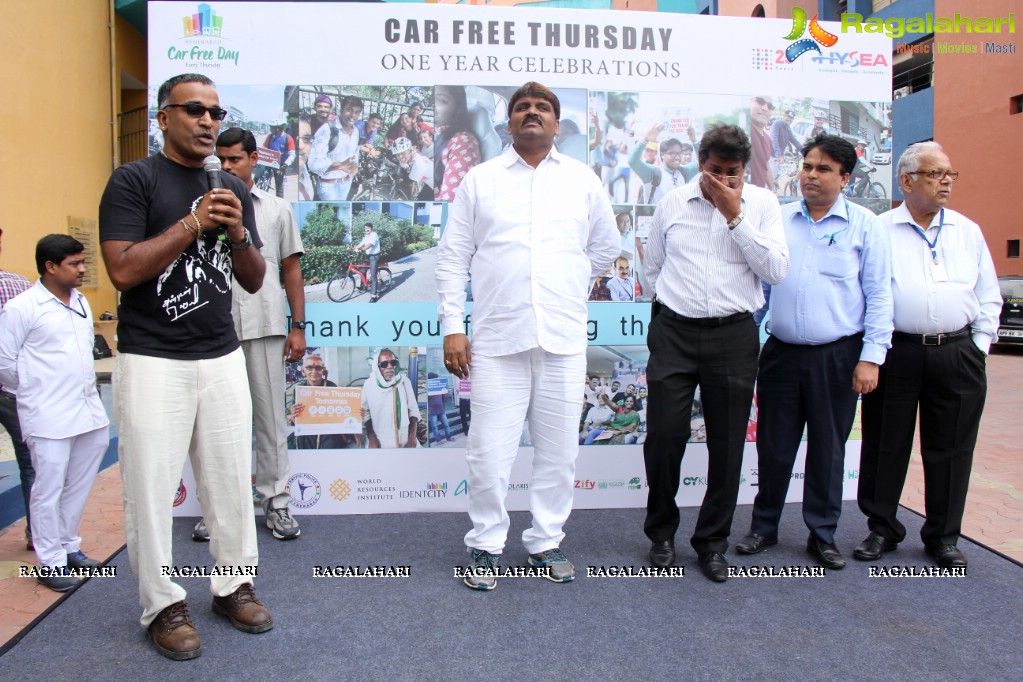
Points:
(831, 326)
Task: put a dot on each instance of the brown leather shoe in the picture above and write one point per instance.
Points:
(173, 635)
(245, 611)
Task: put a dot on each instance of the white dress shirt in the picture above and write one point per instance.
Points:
(698, 267)
(970, 296)
(321, 156)
(263, 313)
(46, 357)
(533, 241)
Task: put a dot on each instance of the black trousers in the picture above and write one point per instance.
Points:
(797, 387)
(948, 384)
(9, 420)
(723, 362)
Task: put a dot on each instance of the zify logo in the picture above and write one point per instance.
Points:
(804, 45)
(205, 22)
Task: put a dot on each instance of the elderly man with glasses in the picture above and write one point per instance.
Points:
(946, 303)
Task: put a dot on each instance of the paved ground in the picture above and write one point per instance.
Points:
(994, 509)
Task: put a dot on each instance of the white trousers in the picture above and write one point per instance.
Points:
(546, 388)
(264, 363)
(65, 469)
(165, 410)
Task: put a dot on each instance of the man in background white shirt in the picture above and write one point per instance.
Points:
(46, 339)
(533, 228)
(711, 244)
(946, 302)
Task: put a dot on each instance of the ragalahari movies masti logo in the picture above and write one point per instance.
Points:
(804, 45)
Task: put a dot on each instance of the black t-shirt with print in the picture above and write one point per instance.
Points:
(185, 312)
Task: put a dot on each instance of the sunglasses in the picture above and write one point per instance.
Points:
(196, 110)
(763, 102)
(315, 368)
(387, 363)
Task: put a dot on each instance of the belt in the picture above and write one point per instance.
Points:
(933, 339)
(331, 181)
(703, 321)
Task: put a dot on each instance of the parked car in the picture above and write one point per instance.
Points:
(1010, 322)
(882, 158)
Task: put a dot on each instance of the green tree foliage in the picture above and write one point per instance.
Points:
(322, 237)
(399, 237)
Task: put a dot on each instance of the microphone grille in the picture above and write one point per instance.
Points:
(211, 163)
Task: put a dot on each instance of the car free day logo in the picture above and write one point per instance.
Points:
(201, 43)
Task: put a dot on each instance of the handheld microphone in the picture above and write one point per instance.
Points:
(211, 164)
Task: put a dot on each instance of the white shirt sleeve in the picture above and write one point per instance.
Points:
(457, 247)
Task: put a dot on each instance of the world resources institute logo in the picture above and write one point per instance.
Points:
(804, 45)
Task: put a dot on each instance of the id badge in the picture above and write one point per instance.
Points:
(938, 272)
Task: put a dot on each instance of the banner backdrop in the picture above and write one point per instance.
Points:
(389, 105)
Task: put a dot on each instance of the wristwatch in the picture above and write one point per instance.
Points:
(300, 325)
(245, 243)
(734, 222)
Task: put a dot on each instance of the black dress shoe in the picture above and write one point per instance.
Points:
(948, 556)
(714, 566)
(662, 554)
(873, 546)
(754, 544)
(827, 555)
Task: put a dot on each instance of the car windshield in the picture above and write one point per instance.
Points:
(1012, 289)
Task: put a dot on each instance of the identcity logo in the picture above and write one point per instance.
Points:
(205, 22)
(803, 45)
(437, 486)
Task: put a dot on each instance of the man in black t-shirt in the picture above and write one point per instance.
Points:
(170, 244)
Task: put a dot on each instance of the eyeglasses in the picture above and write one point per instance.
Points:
(675, 153)
(937, 174)
(387, 363)
(730, 180)
(196, 110)
(764, 103)
(315, 368)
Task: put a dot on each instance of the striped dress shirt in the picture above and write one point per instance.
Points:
(698, 267)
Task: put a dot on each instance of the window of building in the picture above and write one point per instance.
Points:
(1016, 105)
(1013, 251)
(912, 66)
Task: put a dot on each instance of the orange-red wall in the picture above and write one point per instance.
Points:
(972, 122)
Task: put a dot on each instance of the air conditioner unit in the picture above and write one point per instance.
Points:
(899, 93)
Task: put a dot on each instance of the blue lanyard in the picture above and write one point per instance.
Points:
(934, 244)
(813, 225)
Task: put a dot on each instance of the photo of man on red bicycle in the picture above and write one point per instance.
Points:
(370, 244)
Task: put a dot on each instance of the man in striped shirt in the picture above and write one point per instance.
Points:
(10, 286)
(711, 244)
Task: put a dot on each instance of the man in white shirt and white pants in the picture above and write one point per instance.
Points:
(46, 340)
(533, 228)
(946, 302)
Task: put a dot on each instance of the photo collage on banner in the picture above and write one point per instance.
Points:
(385, 185)
(371, 150)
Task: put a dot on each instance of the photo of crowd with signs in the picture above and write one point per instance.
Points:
(780, 126)
(360, 397)
(368, 251)
(614, 401)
